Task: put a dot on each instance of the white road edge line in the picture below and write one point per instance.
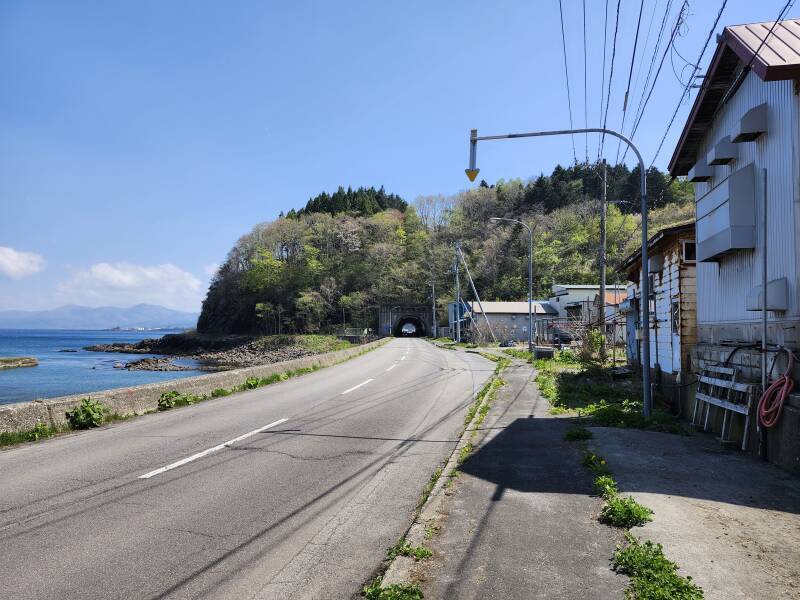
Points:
(189, 459)
(402, 358)
(392, 367)
(355, 387)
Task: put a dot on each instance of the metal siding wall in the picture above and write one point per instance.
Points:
(722, 287)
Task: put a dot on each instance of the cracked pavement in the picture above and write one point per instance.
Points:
(305, 509)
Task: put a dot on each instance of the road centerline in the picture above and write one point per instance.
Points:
(355, 387)
(392, 367)
(211, 450)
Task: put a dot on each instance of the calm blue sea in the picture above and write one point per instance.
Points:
(62, 373)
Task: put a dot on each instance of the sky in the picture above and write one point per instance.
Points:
(140, 140)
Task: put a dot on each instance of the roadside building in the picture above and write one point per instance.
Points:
(673, 309)
(612, 321)
(575, 301)
(740, 147)
(508, 320)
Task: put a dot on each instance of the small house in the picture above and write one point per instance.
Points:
(673, 309)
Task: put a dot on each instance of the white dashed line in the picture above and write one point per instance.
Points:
(355, 387)
(402, 358)
(189, 459)
(392, 367)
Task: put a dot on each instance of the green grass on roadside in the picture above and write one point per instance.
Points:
(652, 575)
(396, 591)
(588, 391)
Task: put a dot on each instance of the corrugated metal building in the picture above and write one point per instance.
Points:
(673, 322)
(741, 139)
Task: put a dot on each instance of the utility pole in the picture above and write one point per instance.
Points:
(433, 309)
(458, 298)
(472, 172)
(603, 205)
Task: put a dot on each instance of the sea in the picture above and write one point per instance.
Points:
(62, 373)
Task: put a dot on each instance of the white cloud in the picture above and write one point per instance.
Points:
(125, 284)
(211, 269)
(17, 264)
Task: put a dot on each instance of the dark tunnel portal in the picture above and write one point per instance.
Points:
(409, 327)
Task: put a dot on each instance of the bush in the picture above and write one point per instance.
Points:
(652, 575)
(605, 486)
(169, 400)
(220, 392)
(576, 434)
(252, 383)
(86, 415)
(624, 513)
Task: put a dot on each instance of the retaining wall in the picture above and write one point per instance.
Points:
(140, 399)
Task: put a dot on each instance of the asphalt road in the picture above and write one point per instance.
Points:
(294, 490)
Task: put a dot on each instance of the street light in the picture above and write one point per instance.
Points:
(472, 173)
(530, 277)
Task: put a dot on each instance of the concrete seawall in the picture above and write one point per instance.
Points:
(140, 399)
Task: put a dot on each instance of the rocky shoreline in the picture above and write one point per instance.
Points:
(214, 353)
(16, 362)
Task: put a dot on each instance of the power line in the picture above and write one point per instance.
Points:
(603, 78)
(645, 100)
(630, 74)
(610, 79)
(566, 73)
(688, 85)
(585, 88)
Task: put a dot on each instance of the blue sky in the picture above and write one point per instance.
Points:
(138, 141)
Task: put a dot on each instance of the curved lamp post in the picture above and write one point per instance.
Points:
(530, 277)
(472, 173)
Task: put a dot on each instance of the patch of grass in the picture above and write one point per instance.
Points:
(588, 390)
(40, 431)
(522, 354)
(577, 434)
(624, 513)
(464, 453)
(396, 591)
(605, 486)
(426, 491)
(220, 392)
(86, 415)
(403, 548)
(322, 343)
(431, 529)
(652, 575)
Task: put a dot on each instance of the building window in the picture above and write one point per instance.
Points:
(689, 251)
(675, 316)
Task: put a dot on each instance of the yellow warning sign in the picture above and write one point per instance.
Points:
(472, 173)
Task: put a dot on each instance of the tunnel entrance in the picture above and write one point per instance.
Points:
(409, 327)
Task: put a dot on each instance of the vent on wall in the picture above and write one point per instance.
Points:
(723, 152)
(777, 293)
(751, 125)
(700, 171)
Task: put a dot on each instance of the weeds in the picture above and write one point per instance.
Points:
(605, 486)
(577, 434)
(431, 530)
(652, 575)
(595, 463)
(426, 491)
(403, 548)
(624, 513)
(464, 453)
(396, 591)
(86, 415)
(173, 399)
(40, 431)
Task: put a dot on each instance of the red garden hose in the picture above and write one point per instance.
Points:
(771, 402)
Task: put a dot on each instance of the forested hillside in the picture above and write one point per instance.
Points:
(341, 256)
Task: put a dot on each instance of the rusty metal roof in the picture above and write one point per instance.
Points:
(777, 59)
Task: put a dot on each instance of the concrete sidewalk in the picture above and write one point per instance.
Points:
(730, 521)
(519, 522)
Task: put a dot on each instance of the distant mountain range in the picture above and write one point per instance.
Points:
(147, 316)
